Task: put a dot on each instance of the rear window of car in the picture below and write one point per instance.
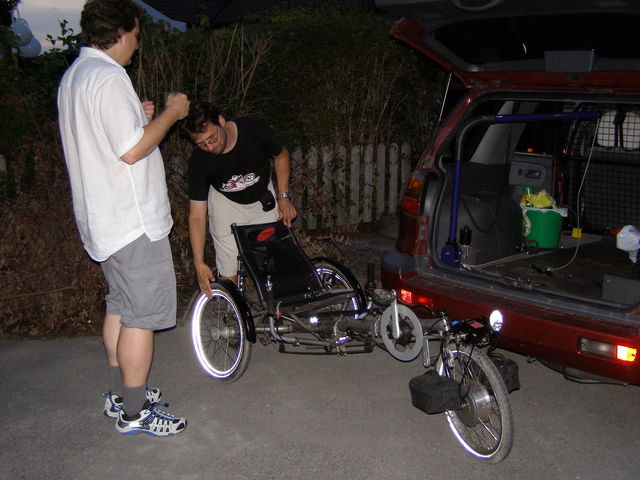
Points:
(613, 36)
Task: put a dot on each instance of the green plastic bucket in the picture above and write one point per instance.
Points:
(542, 226)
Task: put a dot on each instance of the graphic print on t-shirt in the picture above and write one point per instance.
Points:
(243, 173)
(239, 182)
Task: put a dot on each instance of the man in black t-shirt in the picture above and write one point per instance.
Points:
(230, 182)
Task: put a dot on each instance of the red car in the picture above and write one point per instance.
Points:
(541, 110)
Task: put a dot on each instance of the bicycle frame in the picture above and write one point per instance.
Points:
(338, 316)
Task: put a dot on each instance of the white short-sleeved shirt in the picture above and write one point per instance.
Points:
(101, 119)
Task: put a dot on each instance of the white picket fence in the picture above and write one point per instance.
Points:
(344, 188)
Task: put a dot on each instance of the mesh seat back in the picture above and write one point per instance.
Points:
(271, 249)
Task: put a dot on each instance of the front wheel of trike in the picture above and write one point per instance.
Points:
(484, 424)
(219, 335)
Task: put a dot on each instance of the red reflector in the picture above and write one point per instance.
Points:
(412, 194)
(411, 298)
(411, 205)
(266, 234)
(626, 354)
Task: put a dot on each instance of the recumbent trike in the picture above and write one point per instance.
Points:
(319, 303)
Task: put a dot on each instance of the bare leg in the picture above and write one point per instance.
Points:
(135, 353)
(110, 334)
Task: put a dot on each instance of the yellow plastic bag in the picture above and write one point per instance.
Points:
(542, 200)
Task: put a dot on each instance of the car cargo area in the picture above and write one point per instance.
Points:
(595, 270)
(589, 166)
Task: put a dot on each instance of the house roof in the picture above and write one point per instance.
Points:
(224, 12)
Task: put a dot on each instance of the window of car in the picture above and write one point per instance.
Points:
(509, 39)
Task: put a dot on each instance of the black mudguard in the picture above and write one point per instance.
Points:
(243, 307)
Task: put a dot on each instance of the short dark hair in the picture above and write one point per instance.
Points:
(200, 113)
(102, 21)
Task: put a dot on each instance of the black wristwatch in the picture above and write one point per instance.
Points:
(284, 195)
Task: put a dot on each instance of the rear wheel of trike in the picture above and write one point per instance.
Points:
(484, 424)
(219, 335)
(333, 275)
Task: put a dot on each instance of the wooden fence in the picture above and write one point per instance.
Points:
(336, 187)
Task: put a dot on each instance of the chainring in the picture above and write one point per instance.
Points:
(411, 332)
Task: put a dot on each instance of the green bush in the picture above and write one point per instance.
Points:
(336, 78)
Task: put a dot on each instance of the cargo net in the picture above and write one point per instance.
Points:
(610, 195)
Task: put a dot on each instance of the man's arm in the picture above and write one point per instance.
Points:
(197, 236)
(176, 109)
(285, 207)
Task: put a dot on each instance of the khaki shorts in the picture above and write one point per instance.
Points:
(222, 213)
(142, 284)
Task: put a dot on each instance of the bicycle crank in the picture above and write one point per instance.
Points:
(408, 345)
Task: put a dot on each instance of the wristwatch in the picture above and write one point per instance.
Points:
(284, 195)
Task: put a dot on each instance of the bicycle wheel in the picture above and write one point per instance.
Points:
(333, 275)
(219, 335)
(484, 425)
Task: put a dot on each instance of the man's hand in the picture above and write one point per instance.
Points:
(176, 108)
(179, 103)
(205, 277)
(287, 211)
(149, 109)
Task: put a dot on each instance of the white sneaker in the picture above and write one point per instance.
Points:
(152, 421)
(113, 402)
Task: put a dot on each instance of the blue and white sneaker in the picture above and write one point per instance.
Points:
(113, 402)
(151, 421)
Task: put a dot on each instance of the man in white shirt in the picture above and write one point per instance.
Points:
(120, 201)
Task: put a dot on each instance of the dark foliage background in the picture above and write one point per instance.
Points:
(321, 77)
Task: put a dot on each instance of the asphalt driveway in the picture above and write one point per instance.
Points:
(294, 417)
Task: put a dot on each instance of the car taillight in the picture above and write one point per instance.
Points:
(626, 354)
(413, 193)
(608, 350)
(409, 297)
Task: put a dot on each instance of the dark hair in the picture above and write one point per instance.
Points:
(200, 114)
(102, 20)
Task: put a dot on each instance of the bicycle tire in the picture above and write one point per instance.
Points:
(484, 425)
(219, 335)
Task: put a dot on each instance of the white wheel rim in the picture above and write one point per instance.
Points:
(450, 415)
(196, 321)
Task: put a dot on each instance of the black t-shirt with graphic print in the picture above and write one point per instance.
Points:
(242, 174)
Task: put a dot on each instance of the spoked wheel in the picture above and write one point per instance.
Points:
(336, 276)
(219, 335)
(484, 425)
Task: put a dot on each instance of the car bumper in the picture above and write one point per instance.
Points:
(529, 329)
